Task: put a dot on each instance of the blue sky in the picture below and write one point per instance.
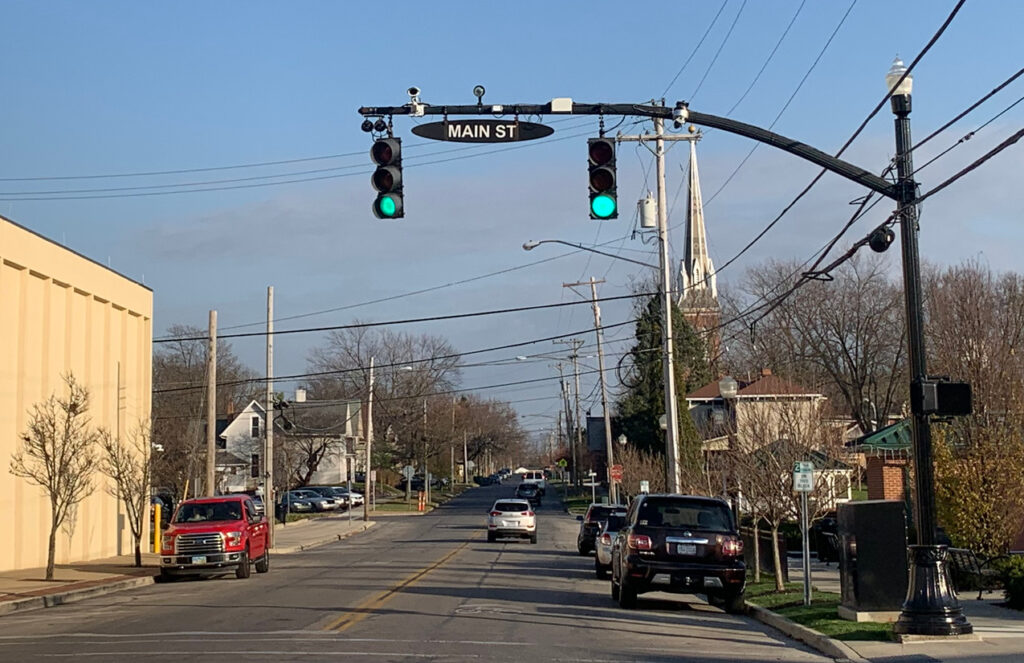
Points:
(103, 88)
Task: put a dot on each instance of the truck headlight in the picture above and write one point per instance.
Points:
(233, 538)
(167, 542)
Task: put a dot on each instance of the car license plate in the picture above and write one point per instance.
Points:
(511, 523)
(686, 549)
(199, 559)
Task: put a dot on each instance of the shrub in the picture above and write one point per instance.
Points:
(1013, 581)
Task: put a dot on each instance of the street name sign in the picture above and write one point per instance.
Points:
(803, 476)
(482, 131)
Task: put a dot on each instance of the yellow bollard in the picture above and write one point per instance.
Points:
(156, 529)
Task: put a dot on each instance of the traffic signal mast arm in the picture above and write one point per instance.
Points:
(680, 113)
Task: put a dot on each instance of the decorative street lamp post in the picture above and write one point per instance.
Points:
(931, 607)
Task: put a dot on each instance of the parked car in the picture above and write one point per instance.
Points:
(297, 501)
(353, 498)
(679, 543)
(604, 541)
(320, 502)
(514, 518)
(530, 492)
(333, 492)
(590, 525)
(213, 536)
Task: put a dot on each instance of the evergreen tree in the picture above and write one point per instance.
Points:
(643, 402)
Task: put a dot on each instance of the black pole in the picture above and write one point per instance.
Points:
(931, 606)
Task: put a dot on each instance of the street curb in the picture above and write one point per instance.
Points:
(324, 541)
(71, 596)
(830, 647)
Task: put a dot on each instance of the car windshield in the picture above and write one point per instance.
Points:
(602, 512)
(208, 512)
(615, 521)
(511, 506)
(683, 513)
(527, 488)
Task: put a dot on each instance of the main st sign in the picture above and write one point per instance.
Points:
(483, 131)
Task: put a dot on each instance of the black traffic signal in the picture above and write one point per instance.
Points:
(601, 161)
(387, 179)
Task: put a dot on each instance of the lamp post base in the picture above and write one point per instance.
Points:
(931, 607)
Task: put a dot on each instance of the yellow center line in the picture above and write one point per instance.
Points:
(370, 605)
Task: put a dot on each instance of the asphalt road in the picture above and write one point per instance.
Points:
(410, 589)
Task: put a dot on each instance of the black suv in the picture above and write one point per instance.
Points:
(530, 492)
(591, 524)
(679, 543)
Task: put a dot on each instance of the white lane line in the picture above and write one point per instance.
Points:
(265, 652)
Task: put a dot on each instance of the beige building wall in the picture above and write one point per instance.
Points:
(62, 313)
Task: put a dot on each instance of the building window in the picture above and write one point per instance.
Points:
(255, 427)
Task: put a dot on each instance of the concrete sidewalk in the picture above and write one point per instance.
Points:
(998, 631)
(25, 589)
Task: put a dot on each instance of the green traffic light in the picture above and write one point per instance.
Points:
(387, 206)
(602, 206)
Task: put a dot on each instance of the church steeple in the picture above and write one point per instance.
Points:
(699, 297)
(700, 285)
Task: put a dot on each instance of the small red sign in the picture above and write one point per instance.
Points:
(616, 472)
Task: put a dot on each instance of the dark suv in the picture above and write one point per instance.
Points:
(679, 543)
(590, 525)
(530, 492)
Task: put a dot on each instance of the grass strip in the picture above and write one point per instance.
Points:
(822, 615)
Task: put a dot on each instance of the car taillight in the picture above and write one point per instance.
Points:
(606, 539)
(530, 513)
(639, 542)
(732, 547)
(525, 513)
(495, 513)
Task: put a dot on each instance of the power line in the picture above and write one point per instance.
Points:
(721, 46)
(695, 48)
(284, 378)
(433, 318)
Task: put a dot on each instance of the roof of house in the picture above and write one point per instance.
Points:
(894, 439)
(766, 384)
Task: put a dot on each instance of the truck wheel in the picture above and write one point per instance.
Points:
(243, 571)
(491, 538)
(615, 589)
(263, 563)
(533, 538)
(165, 576)
(736, 604)
(627, 594)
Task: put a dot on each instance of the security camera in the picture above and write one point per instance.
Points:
(413, 91)
(478, 92)
(680, 114)
(881, 238)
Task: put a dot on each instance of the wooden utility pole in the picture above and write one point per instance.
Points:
(211, 408)
(368, 497)
(268, 425)
(577, 438)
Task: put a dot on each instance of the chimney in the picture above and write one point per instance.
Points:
(765, 372)
(300, 395)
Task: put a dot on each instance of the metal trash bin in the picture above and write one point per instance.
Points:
(872, 556)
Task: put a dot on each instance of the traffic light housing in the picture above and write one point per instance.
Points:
(604, 202)
(387, 179)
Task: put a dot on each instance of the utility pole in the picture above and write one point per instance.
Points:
(577, 442)
(465, 458)
(211, 409)
(672, 473)
(368, 483)
(426, 458)
(268, 452)
(609, 452)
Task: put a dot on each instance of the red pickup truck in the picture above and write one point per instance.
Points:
(213, 536)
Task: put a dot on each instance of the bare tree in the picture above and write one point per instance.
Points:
(58, 454)
(976, 333)
(127, 463)
(640, 465)
(760, 465)
(845, 337)
(179, 410)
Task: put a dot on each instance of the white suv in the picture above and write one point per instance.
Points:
(512, 518)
